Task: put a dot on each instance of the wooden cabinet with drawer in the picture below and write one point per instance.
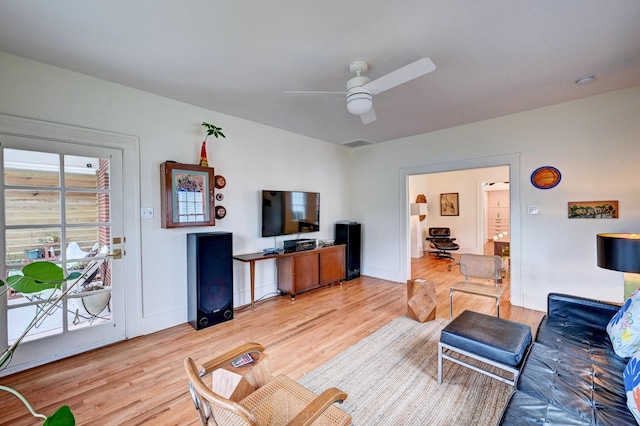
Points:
(305, 270)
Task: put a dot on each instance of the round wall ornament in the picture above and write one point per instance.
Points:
(219, 181)
(545, 177)
(221, 212)
(219, 197)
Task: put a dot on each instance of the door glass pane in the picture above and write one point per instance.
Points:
(86, 172)
(89, 301)
(87, 241)
(19, 316)
(30, 207)
(25, 245)
(31, 168)
(87, 207)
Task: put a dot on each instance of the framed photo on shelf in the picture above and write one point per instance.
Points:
(449, 204)
(187, 195)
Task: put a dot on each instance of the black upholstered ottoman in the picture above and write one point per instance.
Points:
(493, 341)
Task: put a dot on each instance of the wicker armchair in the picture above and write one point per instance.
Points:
(278, 401)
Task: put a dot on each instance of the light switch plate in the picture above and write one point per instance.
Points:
(146, 213)
(533, 209)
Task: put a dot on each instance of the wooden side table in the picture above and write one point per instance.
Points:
(237, 383)
(421, 300)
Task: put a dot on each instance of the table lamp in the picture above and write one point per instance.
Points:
(621, 252)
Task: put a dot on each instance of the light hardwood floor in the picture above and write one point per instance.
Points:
(141, 381)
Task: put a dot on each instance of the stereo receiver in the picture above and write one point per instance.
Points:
(299, 245)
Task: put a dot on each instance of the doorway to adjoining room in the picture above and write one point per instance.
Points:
(481, 223)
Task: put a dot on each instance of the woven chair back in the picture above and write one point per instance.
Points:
(481, 266)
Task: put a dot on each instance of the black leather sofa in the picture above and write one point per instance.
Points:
(571, 375)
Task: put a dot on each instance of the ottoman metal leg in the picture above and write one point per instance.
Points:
(440, 349)
(513, 370)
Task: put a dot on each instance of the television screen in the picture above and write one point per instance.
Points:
(290, 212)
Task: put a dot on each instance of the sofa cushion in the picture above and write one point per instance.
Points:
(624, 327)
(583, 389)
(632, 385)
(588, 343)
(589, 312)
(525, 410)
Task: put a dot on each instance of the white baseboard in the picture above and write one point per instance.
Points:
(163, 320)
(383, 274)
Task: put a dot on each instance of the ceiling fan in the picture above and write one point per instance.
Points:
(360, 89)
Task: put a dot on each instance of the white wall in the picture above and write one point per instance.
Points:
(594, 142)
(251, 158)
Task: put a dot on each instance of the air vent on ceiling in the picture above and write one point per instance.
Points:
(358, 142)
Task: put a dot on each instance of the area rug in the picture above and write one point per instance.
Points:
(391, 377)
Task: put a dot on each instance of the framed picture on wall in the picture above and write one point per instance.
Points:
(593, 209)
(187, 195)
(449, 204)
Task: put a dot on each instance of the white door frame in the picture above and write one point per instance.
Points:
(130, 147)
(511, 160)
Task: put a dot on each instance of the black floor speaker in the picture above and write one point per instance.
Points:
(209, 278)
(350, 234)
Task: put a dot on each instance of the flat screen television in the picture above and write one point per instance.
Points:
(290, 212)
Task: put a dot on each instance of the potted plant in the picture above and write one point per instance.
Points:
(50, 239)
(36, 277)
(35, 253)
(212, 130)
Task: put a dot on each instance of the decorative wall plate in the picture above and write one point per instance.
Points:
(221, 212)
(545, 177)
(219, 197)
(219, 181)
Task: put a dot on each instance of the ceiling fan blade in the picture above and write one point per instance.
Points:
(401, 75)
(369, 117)
(312, 92)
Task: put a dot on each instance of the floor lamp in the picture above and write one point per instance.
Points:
(621, 252)
(417, 209)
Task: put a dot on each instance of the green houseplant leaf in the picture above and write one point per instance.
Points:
(213, 130)
(62, 417)
(38, 276)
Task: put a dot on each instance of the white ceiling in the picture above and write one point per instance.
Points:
(493, 57)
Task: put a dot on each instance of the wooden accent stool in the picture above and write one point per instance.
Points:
(421, 300)
(236, 383)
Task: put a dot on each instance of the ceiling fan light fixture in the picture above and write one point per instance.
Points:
(359, 101)
(360, 89)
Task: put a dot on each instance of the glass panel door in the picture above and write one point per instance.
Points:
(63, 204)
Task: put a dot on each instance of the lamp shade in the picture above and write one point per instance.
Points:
(619, 252)
(419, 209)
